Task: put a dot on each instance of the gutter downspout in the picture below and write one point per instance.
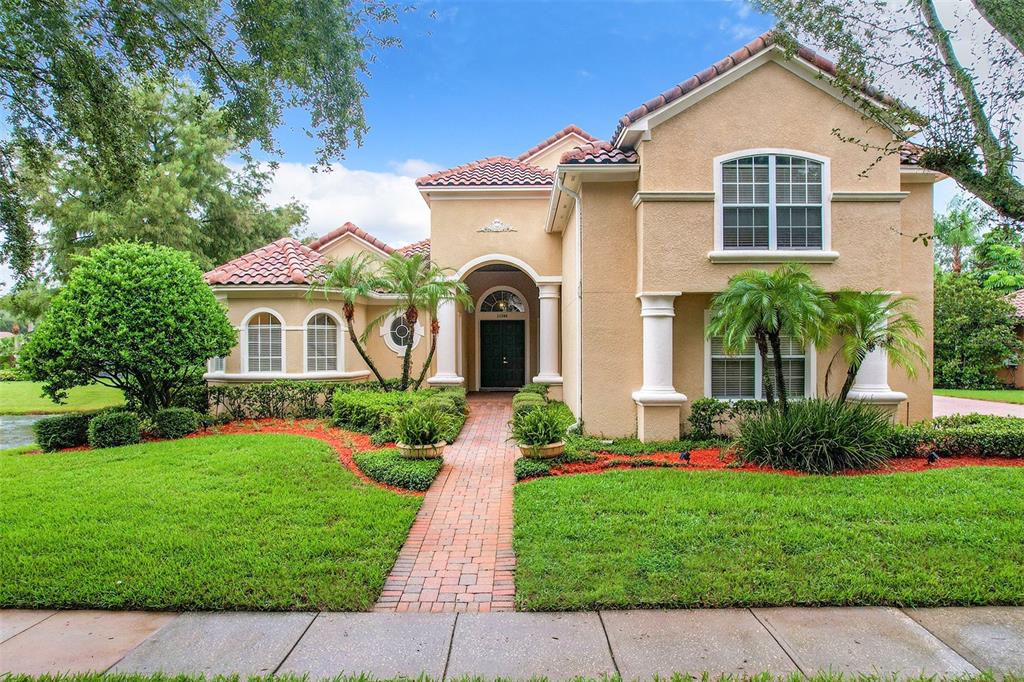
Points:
(578, 210)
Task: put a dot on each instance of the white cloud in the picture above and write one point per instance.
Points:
(414, 167)
(386, 205)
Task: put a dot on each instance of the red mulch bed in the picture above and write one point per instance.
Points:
(712, 459)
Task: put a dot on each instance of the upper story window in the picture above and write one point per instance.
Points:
(773, 201)
(502, 301)
(264, 343)
(321, 343)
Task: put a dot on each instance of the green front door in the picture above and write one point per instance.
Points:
(502, 353)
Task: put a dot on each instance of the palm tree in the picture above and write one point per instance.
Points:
(420, 285)
(867, 320)
(350, 278)
(765, 306)
(957, 230)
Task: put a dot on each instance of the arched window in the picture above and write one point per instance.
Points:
(773, 201)
(265, 343)
(321, 343)
(398, 333)
(502, 301)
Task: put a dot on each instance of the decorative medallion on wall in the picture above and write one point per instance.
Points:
(497, 225)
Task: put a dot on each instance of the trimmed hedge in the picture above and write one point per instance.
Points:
(527, 401)
(63, 431)
(390, 468)
(374, 412)
(175, 422)
(531, 468)
(275, 399)
(539, 389)
(114, 428)
(971, 435)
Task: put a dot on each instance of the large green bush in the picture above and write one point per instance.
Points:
(134, 316)
(390, 468)
(113, 428)
(62, 431)
(974, 333)
(175, 422)
(817, 436)
(374, 412)
(972, 435)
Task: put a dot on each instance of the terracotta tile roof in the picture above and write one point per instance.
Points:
(286, 261)
(599, 152)
(567, 130)
(718, 68)
(910, 154)
(1016, 299)
(422, 247)
(349, 228)
(496, 171)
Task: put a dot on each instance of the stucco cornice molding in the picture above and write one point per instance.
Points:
(693, 195)
(866, 197)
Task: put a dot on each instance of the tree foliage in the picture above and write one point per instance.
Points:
(996, 262)
(956, 231)
(185, 192)
(133, 316)
(965, 104)
(67, 70)
(974, 333)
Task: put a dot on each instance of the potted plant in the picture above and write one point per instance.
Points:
(421, 432)
(539, 433)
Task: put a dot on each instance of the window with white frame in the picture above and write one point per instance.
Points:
(772, 201)
(321, 343)
(398, 333)
(502, 301)
(264, 343)
(217, 364)
(738, 376)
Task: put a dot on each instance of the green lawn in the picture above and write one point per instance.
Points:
(261, 522)
(26, 397)
(679, 539)
(1003, 396)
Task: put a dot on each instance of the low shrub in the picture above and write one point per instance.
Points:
(527, 402)
(539, 389)
(175, 422)
(390, 468)
(817, 436)
(279, 399)
(62, 431)
(9, 374)
(972, 435)
(531, 468)
(540, 426)
(374, 412)
(423, 424)
(113, 428)
(706, 414)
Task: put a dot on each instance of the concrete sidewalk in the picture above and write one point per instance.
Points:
(634, 644)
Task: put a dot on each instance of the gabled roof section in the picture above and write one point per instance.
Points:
(350, 229)
(286, 261)
(496, 171)
(599, 152)
(745, 53)
(571, 129)
(1016, 299)
(421, 247)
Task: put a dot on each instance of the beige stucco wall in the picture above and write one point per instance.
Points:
(612, 333)
(549, 158)
(455, 238)
(347, 245)
(570, 307)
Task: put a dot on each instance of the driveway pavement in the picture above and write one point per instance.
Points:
(634, 644)
(944, 405)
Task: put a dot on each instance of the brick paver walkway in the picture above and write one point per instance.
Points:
(458, 556)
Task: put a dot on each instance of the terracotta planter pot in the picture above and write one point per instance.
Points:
(434, 451)
(549, 451)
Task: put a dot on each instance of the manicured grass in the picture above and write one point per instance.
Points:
(999, 396)
(678, 539)
(26, 397)
(261, 522)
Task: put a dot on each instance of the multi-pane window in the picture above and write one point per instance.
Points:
(217, 364)
(772, 201)
(738, 376)
(321, 344)
(402, 333)
(265, 345)
(502, 302)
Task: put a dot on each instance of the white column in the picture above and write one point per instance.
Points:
(871, 384)
(549, 335)
(657, 313)
(447, 367)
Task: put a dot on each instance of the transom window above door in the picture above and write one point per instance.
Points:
(773, 201)
(502, 301)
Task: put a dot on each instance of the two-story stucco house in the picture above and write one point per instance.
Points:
(592, 263)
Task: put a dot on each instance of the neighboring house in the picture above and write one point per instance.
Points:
(1014, 375)
(592, 263)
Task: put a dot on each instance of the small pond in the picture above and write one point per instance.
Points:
(16, 430)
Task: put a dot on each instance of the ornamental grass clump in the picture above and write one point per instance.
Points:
(817, 436)
(424, 424)
(541, 426)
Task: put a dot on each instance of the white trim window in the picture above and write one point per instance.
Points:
(768, 200)
(264, 337)
(502, 301)
(398, 333)
(322, 343)
(217, 365)
(739, 376)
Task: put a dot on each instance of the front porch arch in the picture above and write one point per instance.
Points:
(504, 259)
